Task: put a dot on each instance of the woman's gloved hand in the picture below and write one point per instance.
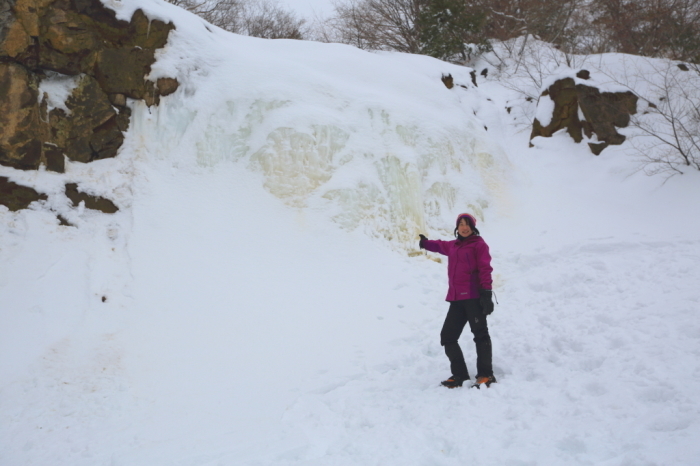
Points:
(486, 301)
(422, 238)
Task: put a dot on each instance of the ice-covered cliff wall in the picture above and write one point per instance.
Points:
(376, 141)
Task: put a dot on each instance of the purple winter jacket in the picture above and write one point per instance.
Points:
(468, 266)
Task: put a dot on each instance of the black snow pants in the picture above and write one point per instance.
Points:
(461, 312)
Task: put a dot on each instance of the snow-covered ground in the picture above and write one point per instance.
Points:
(259, 300)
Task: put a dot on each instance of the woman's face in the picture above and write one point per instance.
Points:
(463, 228)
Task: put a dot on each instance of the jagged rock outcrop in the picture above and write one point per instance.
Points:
(45, 39)
(44, 42)
(602, 112)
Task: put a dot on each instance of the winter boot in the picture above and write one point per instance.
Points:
(481, 380)
(453, 382)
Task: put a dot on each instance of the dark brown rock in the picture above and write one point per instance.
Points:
(448, 81)
(21, 129)
(15, 37)
(16, 196)
(565, 114)
(91, 202)
(76, 38)
(598, 147)
(90, 132)
(123, 118)
(55, 161)
(603, 112)
(63, 221)
(106, 139)
(85, 134)
(123, 70)
(145, 33)
(118, 100)
(67, 40)
(167, 86)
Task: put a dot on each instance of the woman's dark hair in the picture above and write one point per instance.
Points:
(475, 230)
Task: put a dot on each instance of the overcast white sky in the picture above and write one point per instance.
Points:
(309, 8)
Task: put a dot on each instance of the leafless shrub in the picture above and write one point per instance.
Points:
(377, 24)
(652, 28)
(268, 20)
(546, 20)
(670, 123)
(665, 131)
(395, 25)
(525, 63)
(258, 18)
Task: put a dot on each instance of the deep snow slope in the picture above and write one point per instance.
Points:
(258, 299)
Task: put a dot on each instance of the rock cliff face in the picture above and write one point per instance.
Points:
(602, 112)
(81, 45)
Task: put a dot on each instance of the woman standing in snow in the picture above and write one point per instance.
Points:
(470, 297)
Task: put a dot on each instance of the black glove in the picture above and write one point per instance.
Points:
(422, 238)
(486, 301)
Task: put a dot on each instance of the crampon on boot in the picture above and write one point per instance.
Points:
(453, 382)
(484, 380)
